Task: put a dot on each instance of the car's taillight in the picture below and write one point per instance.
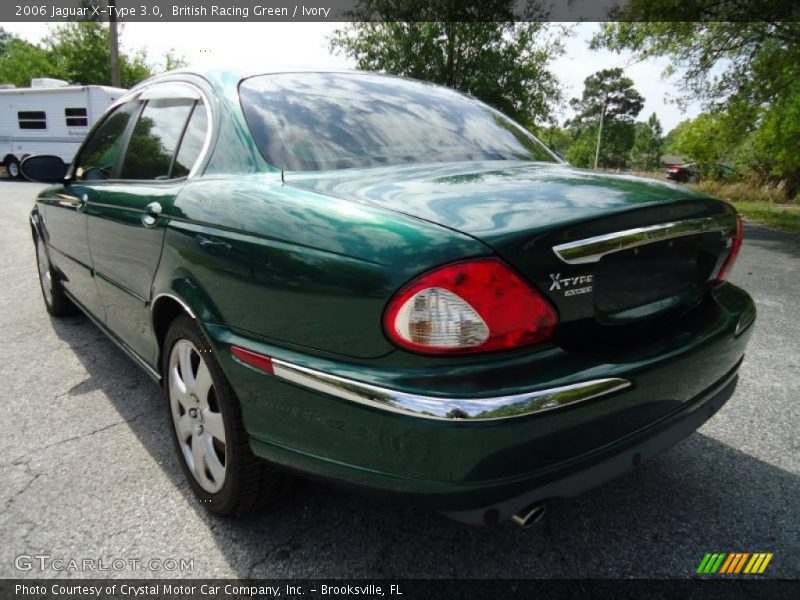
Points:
(736, 245)
(471, 306)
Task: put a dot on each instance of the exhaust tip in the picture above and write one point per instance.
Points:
(530, 516)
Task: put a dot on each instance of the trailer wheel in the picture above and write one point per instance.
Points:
(12, 167)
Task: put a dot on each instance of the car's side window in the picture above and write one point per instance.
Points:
(194, 138)
(155, 139)
(100, 154)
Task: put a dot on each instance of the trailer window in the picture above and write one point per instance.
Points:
(32, 119)
(76, 117)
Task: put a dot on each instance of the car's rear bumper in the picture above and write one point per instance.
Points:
(596, 470)
(466, 466)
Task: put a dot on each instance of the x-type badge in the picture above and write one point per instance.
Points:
(571, 286)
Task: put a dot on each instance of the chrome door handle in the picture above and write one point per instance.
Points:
(152, 212)
(207, 242)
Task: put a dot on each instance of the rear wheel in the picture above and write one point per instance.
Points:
(55, 299)
(12, 167)
(209, 435)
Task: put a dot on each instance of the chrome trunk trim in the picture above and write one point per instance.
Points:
(430, 407)
(591, 250)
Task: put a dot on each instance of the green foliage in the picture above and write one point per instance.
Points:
(609, 88)
(172, 61)
(76, 52)
(746, 73)
(611, 91)
(21, 61)
(648, 144)
(505, 64)
(581, 152)
(702, 139)
(557, 139)
(618, 138)
(775, 145)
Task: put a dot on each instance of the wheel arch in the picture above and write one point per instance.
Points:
(165, 308)
(37, 227)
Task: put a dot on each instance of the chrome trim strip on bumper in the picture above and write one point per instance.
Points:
(591, 250)
(430, 407)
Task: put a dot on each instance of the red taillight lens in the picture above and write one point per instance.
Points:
(470, 306)
(734, 252)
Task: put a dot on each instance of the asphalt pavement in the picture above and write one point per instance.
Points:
(89, 471)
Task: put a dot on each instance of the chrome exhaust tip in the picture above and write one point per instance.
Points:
(530, 516)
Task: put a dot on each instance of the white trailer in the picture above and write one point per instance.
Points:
(50, 117)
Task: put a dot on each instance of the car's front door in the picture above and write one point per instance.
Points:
(65, 209)
(125, 226)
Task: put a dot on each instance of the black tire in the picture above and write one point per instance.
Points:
(55, 299)
(12, 167)
(249, 482)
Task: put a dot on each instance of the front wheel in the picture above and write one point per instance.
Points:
(55, 299)
(209, 435)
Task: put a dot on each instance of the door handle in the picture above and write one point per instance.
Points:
(207, 242)
(151, 213)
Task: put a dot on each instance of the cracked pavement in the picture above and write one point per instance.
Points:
(89, 470)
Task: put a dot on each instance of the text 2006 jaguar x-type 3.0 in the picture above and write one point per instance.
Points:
(388, 284)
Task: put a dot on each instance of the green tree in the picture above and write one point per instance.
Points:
(173, 61)
(504, 62)
(581, 152)
(76, 52)
(82, 54)
(557, 139)
(21, 61)
(609, 95)
(702, 139)
(648, 144)
(746, 73)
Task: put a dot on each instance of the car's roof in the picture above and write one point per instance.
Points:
(271, 70)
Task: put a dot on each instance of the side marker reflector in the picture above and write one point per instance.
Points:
(248, 357)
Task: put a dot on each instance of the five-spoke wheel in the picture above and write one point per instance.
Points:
(211, 441)
(197, 416)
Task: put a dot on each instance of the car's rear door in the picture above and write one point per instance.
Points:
(65, 208)
(125, 223)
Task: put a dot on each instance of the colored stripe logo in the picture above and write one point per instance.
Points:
(734, 563)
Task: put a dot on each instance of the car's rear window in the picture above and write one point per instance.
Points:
(320, 121)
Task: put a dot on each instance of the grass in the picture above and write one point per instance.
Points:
(762, 203)
(785, 217)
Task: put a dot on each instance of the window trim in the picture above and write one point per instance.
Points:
(100, 122)
(180, 143)
(136, 94)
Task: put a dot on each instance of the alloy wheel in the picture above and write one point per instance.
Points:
(45, 276)
(196, 414)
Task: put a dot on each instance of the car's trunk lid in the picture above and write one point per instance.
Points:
(615, 254)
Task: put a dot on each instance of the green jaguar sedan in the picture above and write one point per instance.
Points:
(388, 284)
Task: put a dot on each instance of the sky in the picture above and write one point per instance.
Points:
(210, 45)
